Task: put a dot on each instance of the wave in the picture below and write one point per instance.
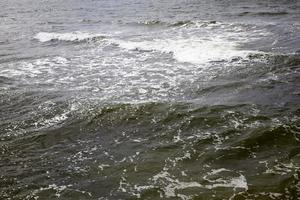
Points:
(167, 140)
(276, 60)
(158, 22)
(193, 41)
(70, 37)
(176, 23)
(90, 21)
(193, 49)
(189, 50)
(264, 13)
(151, 22)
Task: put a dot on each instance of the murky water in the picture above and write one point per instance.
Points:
(149, 99)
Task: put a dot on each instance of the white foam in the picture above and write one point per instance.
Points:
(73, 36)
(236, 182)
(55, 120)
(192, 50)
(216, 171)
(58, 189)
(149, 74)
(174, 184)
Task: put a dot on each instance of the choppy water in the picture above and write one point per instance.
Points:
(129, 99)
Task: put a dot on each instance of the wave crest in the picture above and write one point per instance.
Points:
(190, 50)
(69, 37)
(177, 23)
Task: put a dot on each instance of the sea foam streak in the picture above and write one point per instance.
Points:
(73, 36)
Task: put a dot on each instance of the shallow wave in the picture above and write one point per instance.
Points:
(71, 37)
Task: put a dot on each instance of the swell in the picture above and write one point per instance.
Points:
(169, 138)
(260, 124)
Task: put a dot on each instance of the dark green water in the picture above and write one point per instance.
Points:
(150, 100)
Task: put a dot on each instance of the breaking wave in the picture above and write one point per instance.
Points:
(192, 50)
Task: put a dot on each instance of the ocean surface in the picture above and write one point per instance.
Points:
(158, 99)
